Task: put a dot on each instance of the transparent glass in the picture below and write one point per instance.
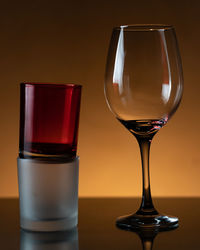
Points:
(143, 89)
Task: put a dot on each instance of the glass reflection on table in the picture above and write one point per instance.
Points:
(66, 240)
(147, 236)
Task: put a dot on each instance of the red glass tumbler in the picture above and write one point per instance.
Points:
(49, 118)
(47, 164)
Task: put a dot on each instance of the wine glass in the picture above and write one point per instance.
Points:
(143, 89)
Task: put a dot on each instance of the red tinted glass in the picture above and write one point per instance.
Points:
(49, 118)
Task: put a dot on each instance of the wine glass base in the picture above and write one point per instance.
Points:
(147, 222)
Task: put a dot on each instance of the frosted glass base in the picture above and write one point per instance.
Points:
(65, 240)
(48, 194)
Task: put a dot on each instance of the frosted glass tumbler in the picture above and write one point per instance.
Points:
(47, 164)
(67, 240)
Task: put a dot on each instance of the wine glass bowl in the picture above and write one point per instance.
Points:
(143, 73)
(143, 89)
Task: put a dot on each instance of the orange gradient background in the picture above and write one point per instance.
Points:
(62, 41)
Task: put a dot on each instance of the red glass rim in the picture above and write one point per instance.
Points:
(48, 84)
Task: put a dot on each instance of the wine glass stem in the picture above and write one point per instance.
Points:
(147, 245)
(147, 204)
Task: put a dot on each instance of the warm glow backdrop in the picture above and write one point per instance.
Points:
(67, 41)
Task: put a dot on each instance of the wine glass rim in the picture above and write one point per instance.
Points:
(144, 27)
(51, 84)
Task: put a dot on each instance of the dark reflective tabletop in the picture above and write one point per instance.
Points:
(97, 229)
